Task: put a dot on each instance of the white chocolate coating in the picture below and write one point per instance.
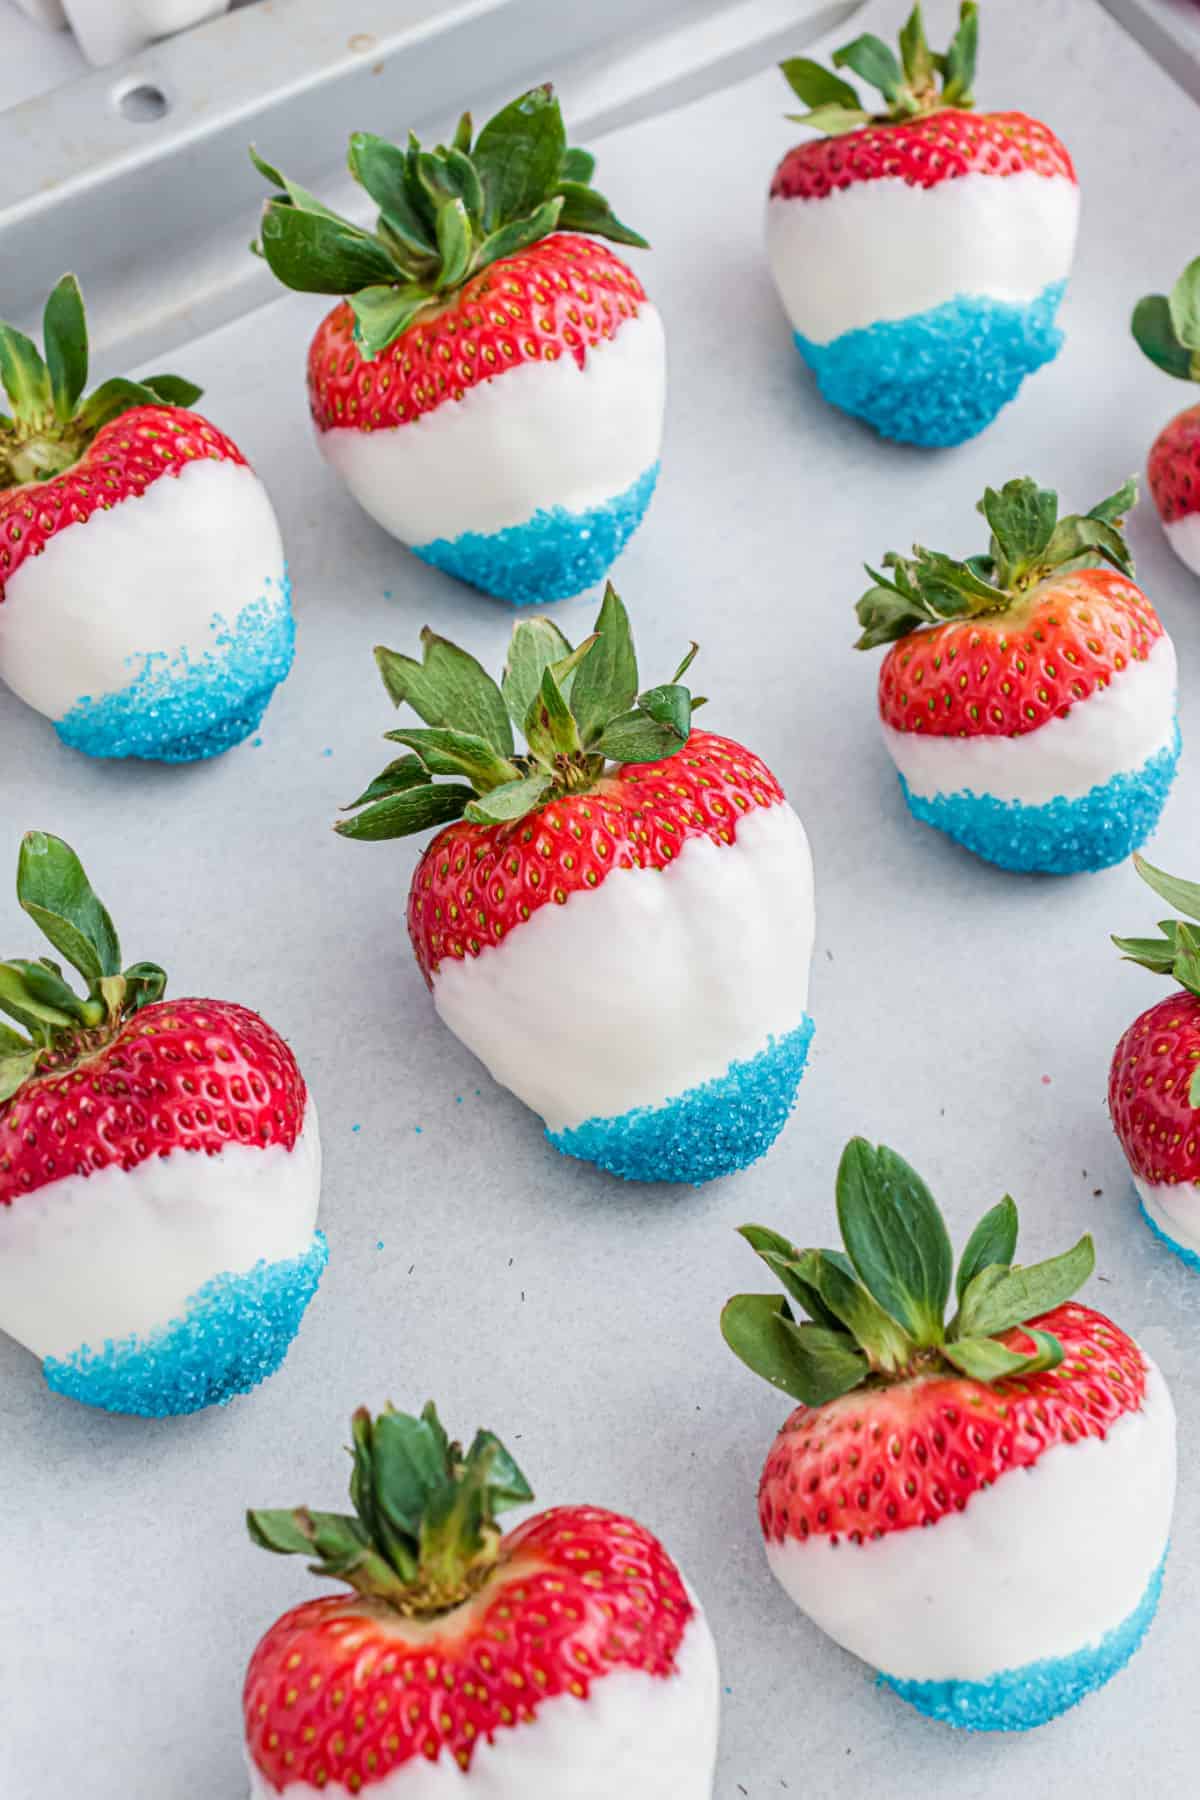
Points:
(540, 435)
(95, 1257)
(884, 250)
(1115, 731)
(1183, 535)
(1039, 1565)
(678, 972)
(1174, 1207)
(166, 572)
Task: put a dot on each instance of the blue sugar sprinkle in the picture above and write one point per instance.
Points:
(356, 1128)
(1065, 836)
(179, 710)
(1190, 1257)
(1019, 1699)
(715, 1129)
(234, 1332)
(938, 377)
(552, 556)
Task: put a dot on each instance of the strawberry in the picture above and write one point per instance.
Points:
(1154, 1081)
(986, 1601)
(1028, 696)
(920, 252)
(160, 1168)
(144, 600)
(1167, 329)
(491, 390)
(617, 920)
(567, 1657)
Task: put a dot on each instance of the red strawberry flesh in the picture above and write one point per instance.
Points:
(1148, 1083)
(922, 153)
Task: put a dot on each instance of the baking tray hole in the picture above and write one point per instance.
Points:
(141, 102)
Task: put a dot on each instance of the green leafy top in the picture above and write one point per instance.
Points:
(576, 709)
(60, 1028)
(1167, 326)
(51, 423)
(444, 214)
(918, 82)
(423, 1535)
(876, 1310)
(1029, 543)
(1177, 952)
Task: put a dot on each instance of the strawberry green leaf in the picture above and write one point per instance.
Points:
(382, 169)
(811, 1364)
(53, 889)
(1022, 517)
(1187, 958)
(583, 209)
(64, 333)
(1023, 1294)
(173, 389)
(12, 1043)
(382, 313)
(400, 815)
(519, 155)
(550, 728)
(959, 68)
(886, 1345)
(818, 86)
(512, 801)
(457, 753)
(463, 132)
(454, 243)
(406, 772)
(919, 71)
(316, 253)
(535, 646)
(25, 377)
(144, 984)
(520, 233)
(1184, 305)
(671, 706)
(783, 1260)
(44, 984)
(833, 121)
(895, 1237)
(294, 195)
(983, 1359)
(637, 738)
(578, 165)
(870, 58)
(1183, 895)
(1155, 954)
(993, 1241)
(607, 683)
(448, 687)
(15, 1070)
(460, 175)
(17, 1001)
(1154, 330)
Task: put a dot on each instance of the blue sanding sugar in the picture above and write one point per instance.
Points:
(938, 377)
(1019, 1699)
(179, 709)
(552, 556)
(714, 1129)
(234, 1332)
(1065, 836)
(1190, 1257)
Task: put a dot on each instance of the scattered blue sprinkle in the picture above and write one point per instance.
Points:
(356, 1128)
(256, 743)
(379, 1243)
(552, 556)
(1188, 1257)
(1065, 836)
(327, 753)
(1019, 1699)
(177, 710)
(387, 593)
(938, 377)
(714, 1129)
(458, 1099)
(418, 1129)
(235, 1332)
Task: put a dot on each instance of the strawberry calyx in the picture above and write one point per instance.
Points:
(52, 424)
(444, 214)
(1176, 952)
(1029, 544)
(423, 1536)
(875, 1311)
(576, 707)
(918, 82)
(61, 1029)
(1167, 326)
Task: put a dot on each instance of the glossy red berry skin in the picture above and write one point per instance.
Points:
(922, 153)
(1148, 1091)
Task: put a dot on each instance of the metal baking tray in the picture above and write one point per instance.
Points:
(963, 1015)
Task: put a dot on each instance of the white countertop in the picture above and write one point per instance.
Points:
(963, 1015)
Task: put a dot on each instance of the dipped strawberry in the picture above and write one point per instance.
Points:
(144, 599)
(567, 1658)
(921, 251)
(491, 389)
(618, 918)
(1154, 1081)
(1167, 328)
(978, 1509)
(1028, 694)
(160, 1169)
